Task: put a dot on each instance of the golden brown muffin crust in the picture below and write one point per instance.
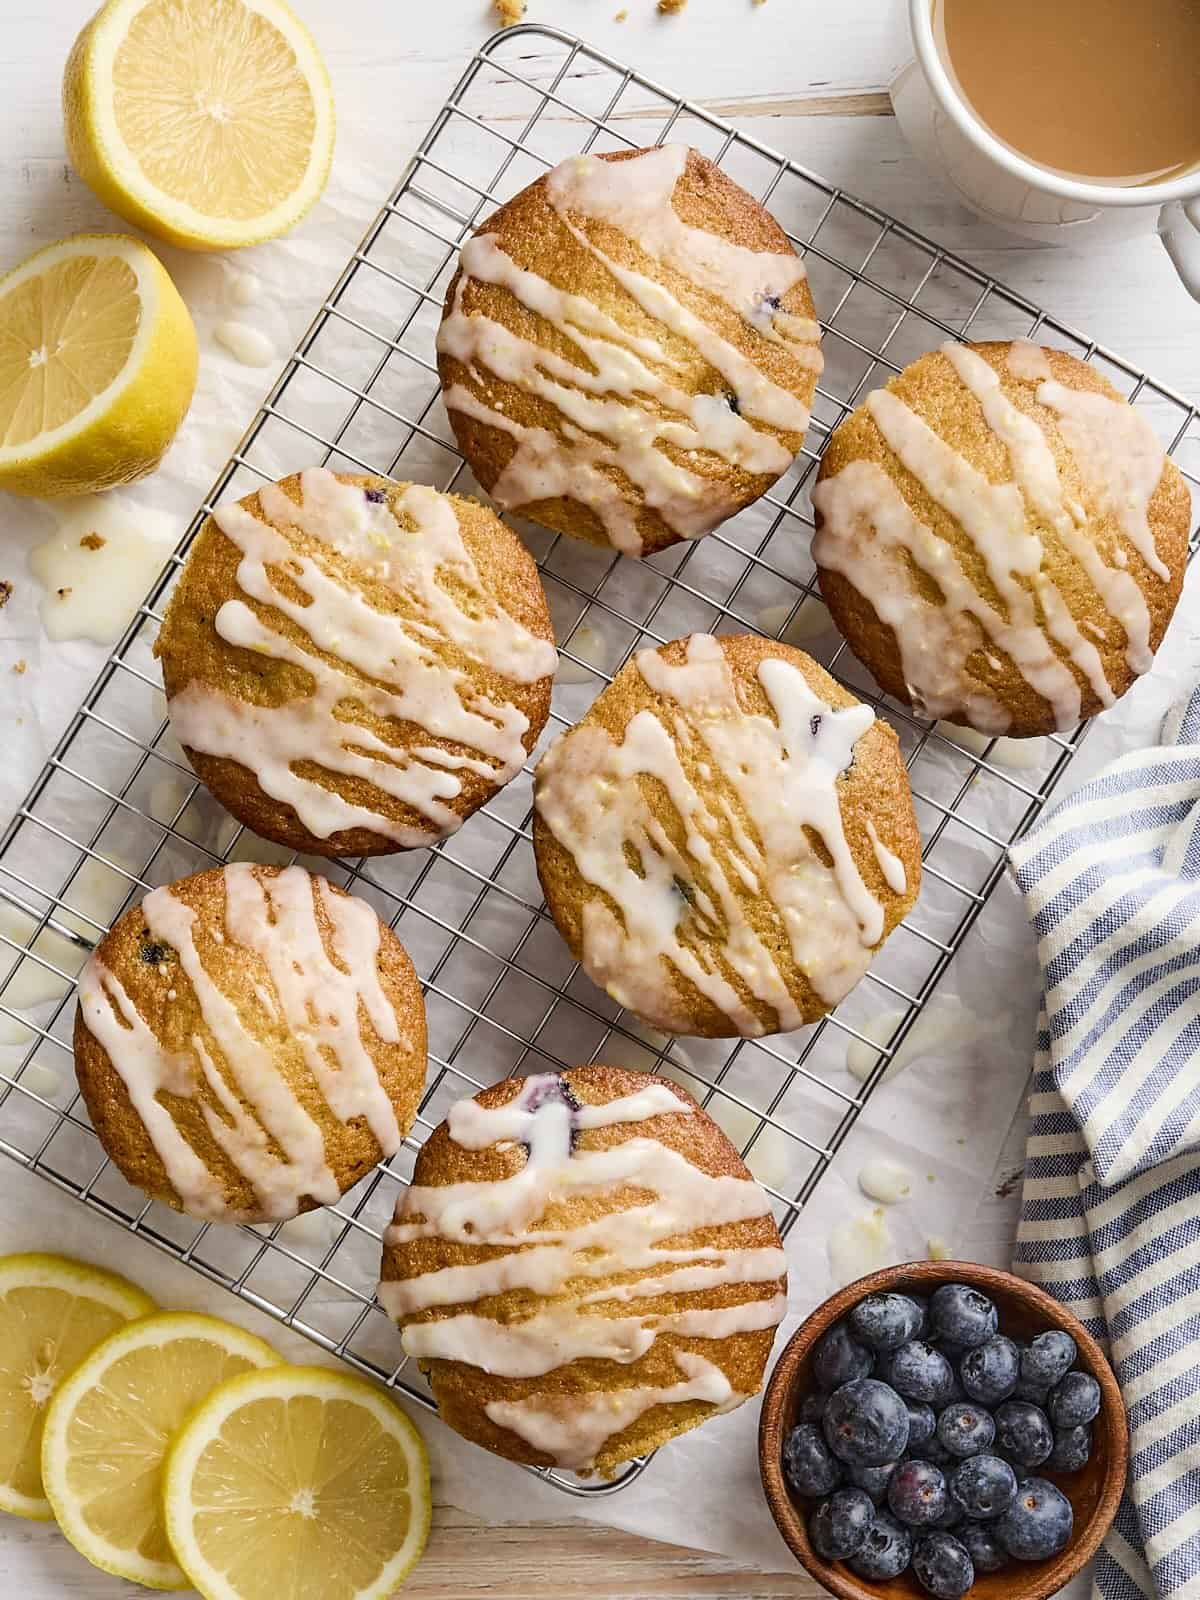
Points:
(530, 231)
(152, 976)
(874, 789)
(191, 650)
(462, 1392)
(931, 388)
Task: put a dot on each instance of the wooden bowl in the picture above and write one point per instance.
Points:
(1094, 1492)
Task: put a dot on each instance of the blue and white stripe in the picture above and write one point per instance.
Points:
(1110, 1220)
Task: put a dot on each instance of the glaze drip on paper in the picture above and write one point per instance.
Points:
(417, 665)
(872, 538)
(570, 1320)
(314, 991)
(764, 781)
(618, 399)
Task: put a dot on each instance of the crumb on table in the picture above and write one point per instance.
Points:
(669, 7)
(509, 11)
(20, 666)
(621, 15)
(92, 541)
(63, 593)
(5, 592)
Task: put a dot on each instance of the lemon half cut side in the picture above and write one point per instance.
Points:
(97, 366)
(207, 122)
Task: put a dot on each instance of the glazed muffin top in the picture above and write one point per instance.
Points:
(725, 837)
(628, 351)
(355, 665)
(584, 1267)
(1001, 537)
(249, 1041)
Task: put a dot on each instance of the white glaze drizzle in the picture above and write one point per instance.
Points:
(314, 999)
(507, 1212)
(869, 534)
(393, 665)
(890, 864)
(784, 774)
(572, 1429)
(603, 420)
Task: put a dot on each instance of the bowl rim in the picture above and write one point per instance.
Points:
(1044, 1578)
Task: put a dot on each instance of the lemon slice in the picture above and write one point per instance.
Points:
(206, 122)
(97, 366)
(108, 1428)
(297, 1481)
(53, 1311)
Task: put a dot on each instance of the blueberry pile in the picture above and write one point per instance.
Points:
(925, 1442)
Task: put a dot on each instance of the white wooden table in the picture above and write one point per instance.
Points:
(807, 76)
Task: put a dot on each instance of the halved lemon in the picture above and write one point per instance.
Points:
(109, 1426)
(53, 1311)
(206, 122)
(297, 1481)
(97, 366)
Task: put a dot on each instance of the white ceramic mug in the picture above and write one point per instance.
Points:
(1002, 186)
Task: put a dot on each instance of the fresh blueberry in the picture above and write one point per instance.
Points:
(1074, 1400)
(985, 1550)
(872, 1480)
(812, 1407)
(962, 1315)
(808, 1464)
(965, 1429)
(922, 1421)
(1038, 1523)
(1048, 1358)
(886, 1321)
(989, 1371)
(919, 1372)
(839, 1525)
(942, 1566)
(917, 1493)
(885, 1552)
(839, 1359)
(952, 1516)
(1036, 1393)
(983, 1486)
(866, 1423)
(1022, 1433)
(1072, 1447)
(934, 1450)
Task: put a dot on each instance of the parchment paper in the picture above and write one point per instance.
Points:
(945, 1120)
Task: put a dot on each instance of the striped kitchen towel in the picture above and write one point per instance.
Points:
(1110, 1220)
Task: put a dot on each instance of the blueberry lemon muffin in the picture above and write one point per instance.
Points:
(725, 837)
(1000, 537)
(629, 352)
(249, 1042)
(583, 1268)
(355, 665)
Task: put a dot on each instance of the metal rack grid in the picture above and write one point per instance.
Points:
(117, 809)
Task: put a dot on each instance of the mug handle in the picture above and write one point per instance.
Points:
(1179, 230)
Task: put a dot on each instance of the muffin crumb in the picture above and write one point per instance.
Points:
(508, 11)
(621, 15)
(6, 589)
(20, 666)
(668, 8)
(92, 541)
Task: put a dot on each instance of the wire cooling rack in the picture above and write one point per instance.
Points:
(117, 810)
